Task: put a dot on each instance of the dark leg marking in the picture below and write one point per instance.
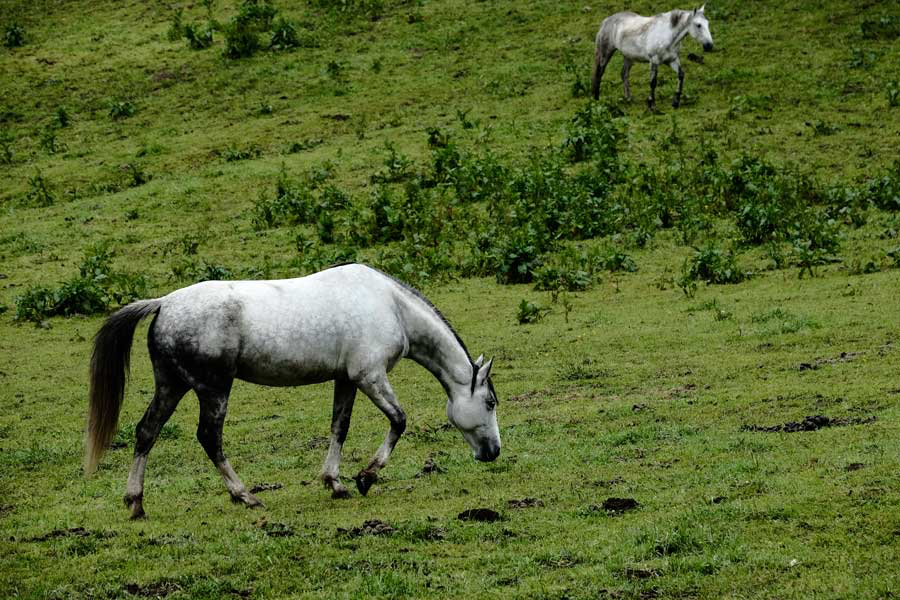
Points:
(677, 100)
(169, 392)
(651, 101)
(380, 392)
(342, 409)
(213, 407)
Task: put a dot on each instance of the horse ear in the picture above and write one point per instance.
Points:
(700, 10)
(483, 373)
(479, 360)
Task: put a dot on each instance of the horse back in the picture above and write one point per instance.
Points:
(284, 332)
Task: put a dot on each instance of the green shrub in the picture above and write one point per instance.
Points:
(892, 92)
(14, 36)
(285, 36)
(41, 192)
(593, 133)
(96, 288)
(530, 312)
(176, 29)
(121, 109)
(711, 265)
(881, 28)
(198, 36)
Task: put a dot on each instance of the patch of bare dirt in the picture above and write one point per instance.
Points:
(525, 503)
(71, 532)
(483, 515)
(370, 527)
(619, 505)
(265, 487)
(810, 423)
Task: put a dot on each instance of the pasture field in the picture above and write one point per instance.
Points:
(693, 313)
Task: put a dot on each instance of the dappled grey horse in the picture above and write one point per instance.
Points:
(349, 323)
(655, 39)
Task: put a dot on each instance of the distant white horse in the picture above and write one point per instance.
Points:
(350, 324)
(655, 39)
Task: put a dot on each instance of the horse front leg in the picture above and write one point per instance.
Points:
(602, 55)
(378, 389)
(676, 66)
(213, 406)
(651, 101)
(344, 396)
(169, 391)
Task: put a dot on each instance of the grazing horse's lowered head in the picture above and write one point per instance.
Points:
(656, 40)
(699, 28)
(474, 413)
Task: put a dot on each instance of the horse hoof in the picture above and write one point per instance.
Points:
(342, 494)
(252, 501)
(364, 481)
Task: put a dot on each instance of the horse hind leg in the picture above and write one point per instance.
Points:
(379, 390)
(213, 406)
(626, 71)
(170, 389)
(344, 396)
(676, 66)
(602, 55)
(651, 101)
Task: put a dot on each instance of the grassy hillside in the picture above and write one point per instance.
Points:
(660, 290)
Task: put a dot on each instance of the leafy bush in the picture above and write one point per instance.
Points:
(593, 133)
(121, 109)
(198, 36)
(242, 32)
(285, 36)
(176, 29)
(530, 312)
(711, 265)
(96, 288)
(892, 92)
(881, 28)
(40, 193)
(14, 36)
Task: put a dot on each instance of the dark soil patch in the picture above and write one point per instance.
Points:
(811, 423)
(265, 487)
(370, 527)
(484, 515)
(72, 532)
(157, 589)
(619, 505)
(854, 467)
(525, 503)
(317, 442)
(842, 358)
(275, 529)
(639, 573)
(431, 467)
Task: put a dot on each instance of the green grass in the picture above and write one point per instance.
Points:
(628, 389)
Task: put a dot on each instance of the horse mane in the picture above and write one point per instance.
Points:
(675, 17)
(415, 292)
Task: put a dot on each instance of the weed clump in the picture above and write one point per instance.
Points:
(96, 288)
(14, 36)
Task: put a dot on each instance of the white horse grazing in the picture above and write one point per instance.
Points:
(655, 39)
(350, 324)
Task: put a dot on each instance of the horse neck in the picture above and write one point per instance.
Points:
(682, 30)
(434, 345)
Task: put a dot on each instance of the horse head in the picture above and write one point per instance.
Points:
(699, 28)
(474, 413)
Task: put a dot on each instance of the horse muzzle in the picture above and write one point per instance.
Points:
(707, 47)
(487, 452)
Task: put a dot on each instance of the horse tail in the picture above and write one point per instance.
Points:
(599, 59)
(109, 370)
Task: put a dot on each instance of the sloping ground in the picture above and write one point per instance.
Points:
(170, 158)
